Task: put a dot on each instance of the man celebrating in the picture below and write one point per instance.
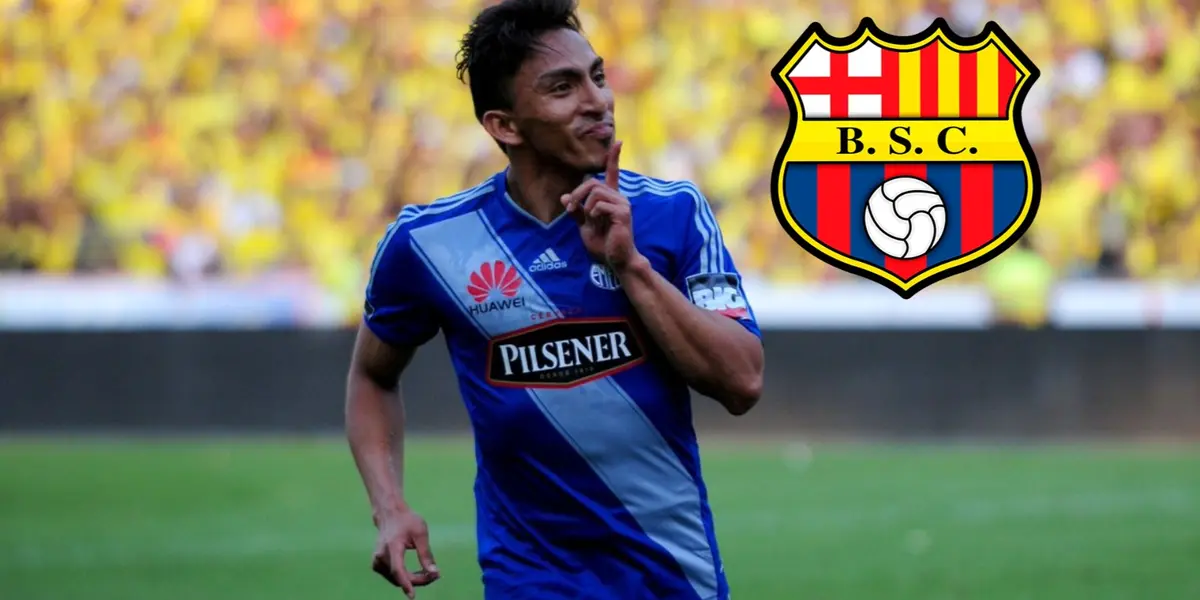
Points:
(579, 302)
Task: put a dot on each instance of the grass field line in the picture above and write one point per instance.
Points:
(253, 541)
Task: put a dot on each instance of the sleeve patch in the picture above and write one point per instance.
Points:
(720, 292)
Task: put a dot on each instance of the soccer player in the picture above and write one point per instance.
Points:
(579, 302)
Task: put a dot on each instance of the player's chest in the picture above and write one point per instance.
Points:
(510, 276)
(536, 303)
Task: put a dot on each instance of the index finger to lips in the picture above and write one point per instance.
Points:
(612, 176)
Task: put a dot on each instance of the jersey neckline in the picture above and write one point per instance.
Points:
(501, 185)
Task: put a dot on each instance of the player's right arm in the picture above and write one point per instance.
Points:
(396, 321)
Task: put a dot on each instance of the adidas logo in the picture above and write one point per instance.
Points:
(547, 261)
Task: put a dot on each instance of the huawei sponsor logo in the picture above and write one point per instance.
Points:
(494, 286)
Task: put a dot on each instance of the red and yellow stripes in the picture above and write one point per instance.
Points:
(938, 81)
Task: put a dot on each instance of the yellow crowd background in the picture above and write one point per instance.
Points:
(188, 138)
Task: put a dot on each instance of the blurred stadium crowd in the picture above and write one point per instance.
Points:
(186, 138)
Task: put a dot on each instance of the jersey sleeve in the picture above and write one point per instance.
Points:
(706, 274)
(397, 307)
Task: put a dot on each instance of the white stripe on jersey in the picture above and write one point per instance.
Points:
(413, 211)
(712, 255)
(441, 205)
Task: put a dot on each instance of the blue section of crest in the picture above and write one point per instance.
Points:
(1008, 195)
(800, 195)
(864, 178)
(946, 178)
(1009, 187)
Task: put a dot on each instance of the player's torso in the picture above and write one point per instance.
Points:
(529, 315)
(583, 431)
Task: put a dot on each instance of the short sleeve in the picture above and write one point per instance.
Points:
(398, 308)
(706, 274)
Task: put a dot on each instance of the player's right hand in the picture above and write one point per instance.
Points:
(398, 533)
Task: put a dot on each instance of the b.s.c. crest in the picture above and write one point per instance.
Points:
(905, 160)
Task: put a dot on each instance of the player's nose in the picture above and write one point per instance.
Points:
(596, 100)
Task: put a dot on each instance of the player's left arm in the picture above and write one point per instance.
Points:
(700, 317)
(718, 357)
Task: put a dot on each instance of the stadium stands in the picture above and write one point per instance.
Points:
(179, 139)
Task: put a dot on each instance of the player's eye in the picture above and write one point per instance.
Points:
(560, 88)
(599, 78)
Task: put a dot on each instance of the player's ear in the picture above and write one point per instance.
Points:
(502, 127)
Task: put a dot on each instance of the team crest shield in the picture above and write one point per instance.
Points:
(905, 161)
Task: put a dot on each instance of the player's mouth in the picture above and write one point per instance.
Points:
(602, 131)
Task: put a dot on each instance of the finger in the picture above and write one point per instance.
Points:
(599, 194)
(423, 578)
(425, 553)
(612, 176)
(605, 215)
(398, 578)
(568, 202)
(380, 565)
(574, 201)
(612, 212)
(603, 194)
(403, 577)
(572, 208)
(575, 198)
(596, 195)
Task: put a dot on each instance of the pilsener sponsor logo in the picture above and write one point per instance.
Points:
(564, 353)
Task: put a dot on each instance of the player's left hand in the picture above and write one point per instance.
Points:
(604, 215)
(398, 533)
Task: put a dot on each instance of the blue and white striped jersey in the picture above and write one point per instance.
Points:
(589, 483)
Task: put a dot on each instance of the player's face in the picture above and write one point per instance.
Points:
(563, 107)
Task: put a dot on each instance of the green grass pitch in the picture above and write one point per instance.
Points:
(275, 520)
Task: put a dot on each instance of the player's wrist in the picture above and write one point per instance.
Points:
(391, 511)
(637, 265)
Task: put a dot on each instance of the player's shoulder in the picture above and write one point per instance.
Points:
(416, 216)
(655, 198)
(649, 189)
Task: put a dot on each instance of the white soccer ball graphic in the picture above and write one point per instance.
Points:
(905, 217)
